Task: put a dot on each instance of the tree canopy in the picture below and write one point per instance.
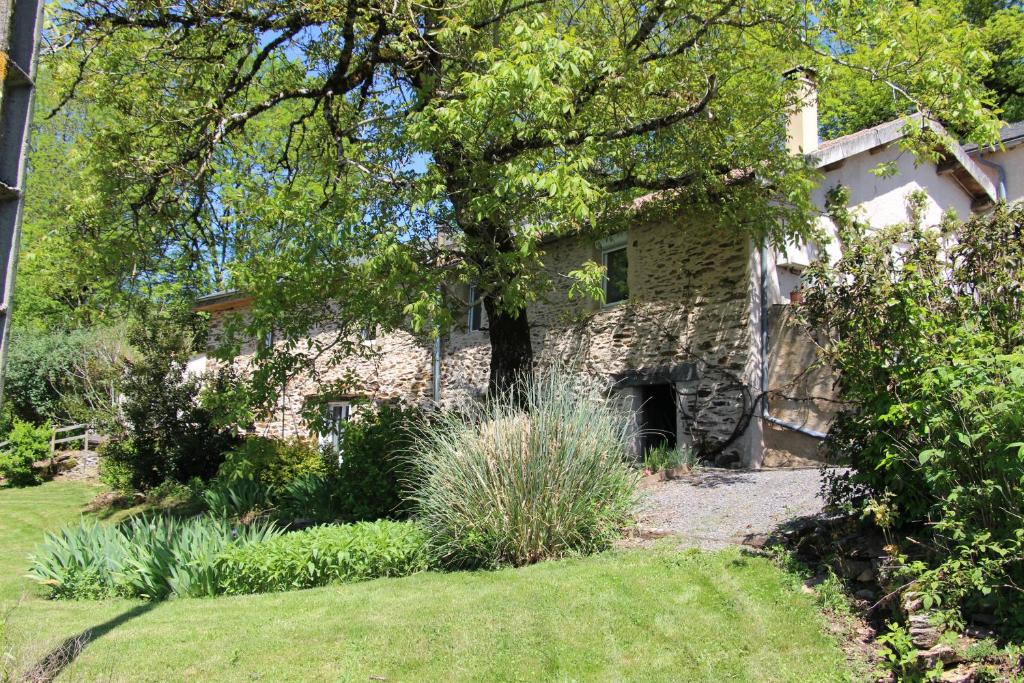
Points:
(354, 162)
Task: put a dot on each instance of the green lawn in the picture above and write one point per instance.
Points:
(643, 616)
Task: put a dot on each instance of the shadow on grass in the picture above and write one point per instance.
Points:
(60, 657)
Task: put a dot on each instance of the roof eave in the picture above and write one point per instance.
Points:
(219, 301)
(967, 173)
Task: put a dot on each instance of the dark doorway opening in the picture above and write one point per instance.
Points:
(657, 416)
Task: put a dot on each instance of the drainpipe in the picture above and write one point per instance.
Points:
(764, 358)
(1001, 191)
(437, 369)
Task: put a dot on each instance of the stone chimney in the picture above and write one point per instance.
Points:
(802, 127)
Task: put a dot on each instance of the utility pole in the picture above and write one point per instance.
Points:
(20, 23)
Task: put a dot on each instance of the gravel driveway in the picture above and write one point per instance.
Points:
(713, 508)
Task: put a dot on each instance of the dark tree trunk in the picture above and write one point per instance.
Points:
(511, 349)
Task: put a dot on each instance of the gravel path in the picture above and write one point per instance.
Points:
(713, 508)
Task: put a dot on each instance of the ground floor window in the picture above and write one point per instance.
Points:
(338, 414)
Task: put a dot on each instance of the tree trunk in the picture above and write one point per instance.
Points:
(511, 350)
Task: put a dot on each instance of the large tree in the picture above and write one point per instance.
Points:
(368, 155)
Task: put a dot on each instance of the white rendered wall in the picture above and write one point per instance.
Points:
(878, 201)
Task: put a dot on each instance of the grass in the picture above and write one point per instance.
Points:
(24, 515)
(639, 615)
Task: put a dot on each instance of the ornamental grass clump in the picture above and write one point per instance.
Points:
(537, 472)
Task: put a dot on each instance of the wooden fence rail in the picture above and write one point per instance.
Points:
(87, 437)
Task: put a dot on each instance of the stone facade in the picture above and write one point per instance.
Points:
(688, 331)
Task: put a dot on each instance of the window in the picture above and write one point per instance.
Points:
(616, 281)
(337, 415)
(476, 310)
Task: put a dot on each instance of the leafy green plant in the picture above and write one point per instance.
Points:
(272, 462)
(373, 469)
(664, 458)
(166, 434)
(928, 343)
(365, 480)
(152, 557)
(27, 444)
(234, 498)
(310, 496)
(898, 652)
(511, 483)
(324, 555)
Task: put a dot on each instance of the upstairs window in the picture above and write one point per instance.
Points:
(616, 279)
(476, 310)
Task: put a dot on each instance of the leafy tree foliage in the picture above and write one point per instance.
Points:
(925, 328)
(65, 376)
(986, 34)
(357, 161)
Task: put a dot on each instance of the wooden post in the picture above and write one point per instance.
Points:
(53, 446)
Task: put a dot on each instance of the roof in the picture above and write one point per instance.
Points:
(219, 301)
(1010, 135)
(958, 164)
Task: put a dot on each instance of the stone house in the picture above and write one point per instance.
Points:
(697, 328)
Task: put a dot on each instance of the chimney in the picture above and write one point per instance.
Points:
(802, 127)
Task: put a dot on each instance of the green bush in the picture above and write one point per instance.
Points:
(116, 471)
(374, 468)
(167, 434)
(62, 375)
(28, 443)
(504, 484)
(928, 343)
(325, 555)
(367, 483)
(272, 463)
(148, 557)
(311, 496)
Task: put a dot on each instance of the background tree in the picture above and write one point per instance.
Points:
(850, 102)
(368, 155)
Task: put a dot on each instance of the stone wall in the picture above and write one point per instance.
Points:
(392, 366)
(688, 323)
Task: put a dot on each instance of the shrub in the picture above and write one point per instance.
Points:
(505, 484)
(367, 483)
(311, 496)
(149, 557)
(62, 375)
(28, 444)
(928, 343)
(167, 434)
(373, 468)
(272, 462)
(324, 555)
(116, 471)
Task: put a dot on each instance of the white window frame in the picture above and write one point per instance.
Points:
(608, 246)
(344, 409)
(368, 334)
(475, 316)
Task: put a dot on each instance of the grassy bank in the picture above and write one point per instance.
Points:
(642, 616)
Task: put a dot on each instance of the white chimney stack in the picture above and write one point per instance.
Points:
(802, 127)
